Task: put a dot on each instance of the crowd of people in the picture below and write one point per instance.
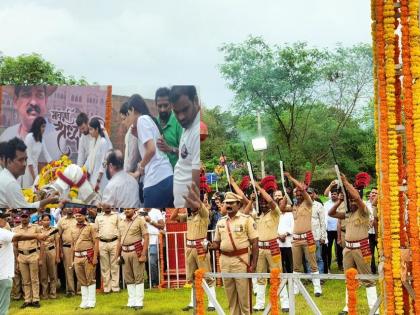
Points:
(295, 232)
(160, 160)
(78, 249)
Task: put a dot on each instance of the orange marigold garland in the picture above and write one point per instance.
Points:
(352, 285)
(108, 108)
(274, 288)
(199, 292)
(411, 64)
(383, 151)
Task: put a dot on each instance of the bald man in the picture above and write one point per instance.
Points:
(122, 189)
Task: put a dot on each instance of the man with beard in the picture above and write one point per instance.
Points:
(11, 195)
(357, 251)
(122, 189)
(170, 126)
(269, 256)
(131, 149)
(197, 253)
(133, 242)
(31, 102)
(187, 170)
(235, 233)
(303, 239)
(85, 249)
(106, 225)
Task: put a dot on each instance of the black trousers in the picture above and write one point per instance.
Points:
(372, 244)
(325, 258)
(332, 237)
(287, 259)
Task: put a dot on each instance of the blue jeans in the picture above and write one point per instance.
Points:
(5, 289)
(319, 261)
(159, 195)
(153, 261)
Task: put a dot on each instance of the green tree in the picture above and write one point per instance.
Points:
(306, 95)
(33, 69)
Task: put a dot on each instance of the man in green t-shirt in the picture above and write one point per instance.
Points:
(169, 125)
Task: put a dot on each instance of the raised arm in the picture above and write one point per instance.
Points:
(333, 211)
(266, 197)
(300, 186)
(239, 191)
(354, 194)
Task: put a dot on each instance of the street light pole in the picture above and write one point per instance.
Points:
(262, 152)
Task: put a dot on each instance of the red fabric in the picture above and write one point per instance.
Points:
(308, 178)
(204, 132)
(203, 184)
(90, 253)
(362, 180)
(269, 183)
(138, 247)
(245, 183)
(69, 182)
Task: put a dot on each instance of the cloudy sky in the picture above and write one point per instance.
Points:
(140, 45)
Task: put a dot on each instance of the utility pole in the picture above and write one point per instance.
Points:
(262, 152)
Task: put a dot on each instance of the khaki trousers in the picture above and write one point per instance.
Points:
(85, 272)
(29, 269)
(353, 258)
(237, 290)
(110, 272)
(68, 269)
(49, 274)
(194, 262)
(133, 270)
(300, 249)
(266, 264)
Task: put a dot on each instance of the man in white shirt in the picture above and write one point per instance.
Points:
(3, 146)
(122, 189)
(285, 231)
(319, 228)
(155, 224)
(186, 108)
(332, 227)
(7, 258)
(15, 164)
(30, 102)
(372, 228)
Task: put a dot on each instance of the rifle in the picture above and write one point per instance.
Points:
(340, 182)
(251, 176)
(226, 170)
(77, 205)
(284, 180)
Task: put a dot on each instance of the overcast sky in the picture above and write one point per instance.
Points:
(138, 46)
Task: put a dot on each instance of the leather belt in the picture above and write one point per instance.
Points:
(130, 248)
(353, 244)
(110, 240)
(192, 243)
(264, 244)
(67, 245)
(28, 251)
(51, 247)
(234, 253)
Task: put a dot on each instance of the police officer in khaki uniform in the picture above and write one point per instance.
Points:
(269, 256)
(65, 225)
(106, 225)
(357, 251)
(50, 260)
(196, 252)
(132, 249)
(85, 253)
(235, 233)
(303, 240)
(30, 255)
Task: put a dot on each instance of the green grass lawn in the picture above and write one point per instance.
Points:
(170, 301)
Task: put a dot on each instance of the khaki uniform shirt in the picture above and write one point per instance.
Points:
(342, 208)
(357, 225)
(65, 225)
(303, 217)
(31, 228)
(133, 230)
(267, 225)
(83, 237)
(50, 241)
(243, 229)
(197, 224)
(106, 226)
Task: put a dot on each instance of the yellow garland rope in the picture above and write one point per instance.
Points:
(274, 288)
(389, 27)
(352, 284)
